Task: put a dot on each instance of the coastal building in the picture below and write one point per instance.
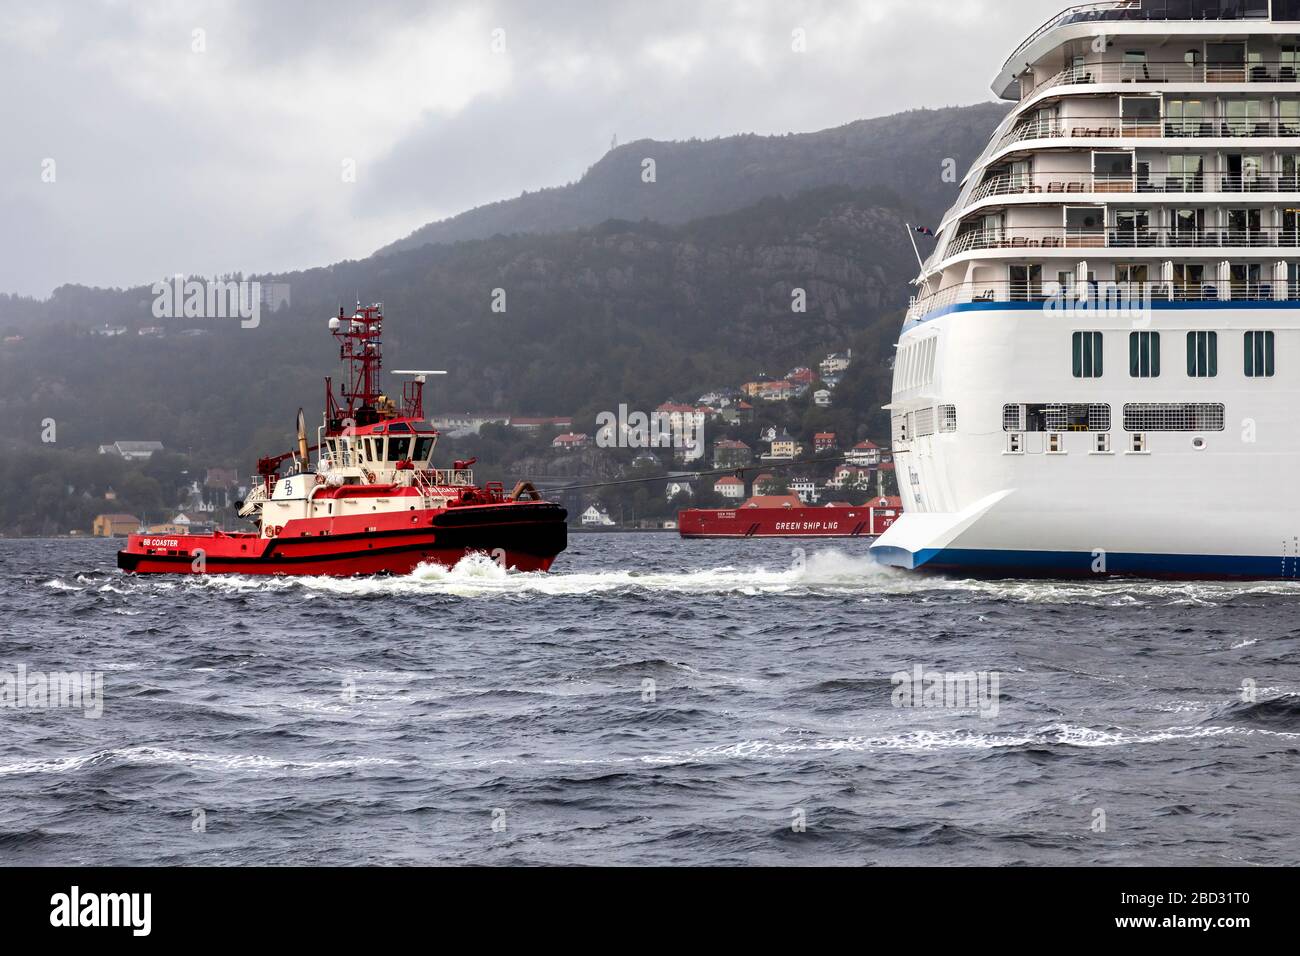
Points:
(674, 488)
(571, 441)
(595, 517)
(730, 487)
(776, 391)
(836, 362)
(729, 453)
(783, 448)
(805, 488)
(132, 450)
(864, 453)
(115, 525)
(460, 424)
(534, 424)
(849, 476)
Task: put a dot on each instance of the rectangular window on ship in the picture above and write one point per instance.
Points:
(1087, 355)
(1259, 355)
(1144, 354)
(1202, 354)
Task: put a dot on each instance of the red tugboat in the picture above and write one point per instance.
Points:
(785, 516)
(373, 503)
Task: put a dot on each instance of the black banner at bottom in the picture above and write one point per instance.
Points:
(336, 906)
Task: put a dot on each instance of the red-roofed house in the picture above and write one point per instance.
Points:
(776, 391)
(824, 441)
(730, 487)
(570, 441)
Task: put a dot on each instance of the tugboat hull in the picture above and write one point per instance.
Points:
(520, 536)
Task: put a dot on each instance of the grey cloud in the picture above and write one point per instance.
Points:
(239, 170)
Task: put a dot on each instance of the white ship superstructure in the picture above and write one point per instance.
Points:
(1100, 371)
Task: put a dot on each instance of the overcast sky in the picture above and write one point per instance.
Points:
(136, 147)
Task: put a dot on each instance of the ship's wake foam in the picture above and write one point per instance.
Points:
(828, 573)
(479, 576)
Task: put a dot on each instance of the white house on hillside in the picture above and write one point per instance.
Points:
(865, 454)
(593, 517)
(675, 488)
(132, 450)
(806, 489)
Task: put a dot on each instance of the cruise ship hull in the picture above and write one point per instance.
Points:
(1099, 370)
(1213, 502)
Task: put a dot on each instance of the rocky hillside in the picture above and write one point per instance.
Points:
(903, 153)
(613, 293)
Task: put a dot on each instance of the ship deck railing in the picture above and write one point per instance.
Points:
(1178, 73)
(1144, 10)
(1128, 296)
(444, 477)
(1033, 239)
(1117, 127)
(1065, 186)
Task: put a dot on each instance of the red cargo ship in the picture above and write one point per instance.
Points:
(785, 516)
(372, 503)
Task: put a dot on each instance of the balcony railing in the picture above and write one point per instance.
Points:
(1117, 295)
(1066, 184)
(1177, 73)
(1132, 10)
(1113, 127)
(1122, 237)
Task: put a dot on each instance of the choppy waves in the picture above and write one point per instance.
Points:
(649, 701)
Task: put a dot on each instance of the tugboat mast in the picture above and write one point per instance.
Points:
(361, 349)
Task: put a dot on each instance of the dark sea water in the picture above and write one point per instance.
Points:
(470, 716)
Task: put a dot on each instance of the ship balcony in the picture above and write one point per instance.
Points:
(1117, 128)
(1125, 295)
(1069, 186)
(1058, 239)
(1179, 74)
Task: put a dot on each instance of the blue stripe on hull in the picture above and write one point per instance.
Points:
(1080, 563)
(1156, 304)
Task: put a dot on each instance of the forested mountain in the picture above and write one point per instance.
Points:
(903, 153)
(693, 291)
